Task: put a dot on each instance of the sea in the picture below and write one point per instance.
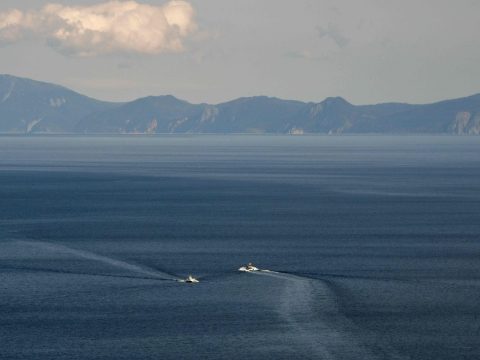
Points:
(369, 247)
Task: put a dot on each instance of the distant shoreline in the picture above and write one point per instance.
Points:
(29, 106)
(233, 134)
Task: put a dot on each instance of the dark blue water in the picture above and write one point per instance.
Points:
(375, 244)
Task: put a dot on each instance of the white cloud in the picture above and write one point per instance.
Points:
(110, 27)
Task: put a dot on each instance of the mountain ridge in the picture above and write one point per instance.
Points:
(30, 106)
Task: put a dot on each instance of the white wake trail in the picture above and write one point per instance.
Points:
(143, 270)
(315, 321)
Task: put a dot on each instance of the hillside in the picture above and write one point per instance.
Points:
(28, 106)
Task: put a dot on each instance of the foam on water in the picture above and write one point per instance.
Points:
(317, 323)
(139, 269)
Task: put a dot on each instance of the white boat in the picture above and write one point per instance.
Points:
(249, 268)
(191, 280)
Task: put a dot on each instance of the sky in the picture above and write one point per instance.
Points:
(367, 51)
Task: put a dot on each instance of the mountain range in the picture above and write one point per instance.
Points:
(29, 106)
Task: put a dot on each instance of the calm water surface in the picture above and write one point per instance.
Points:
(373, 243)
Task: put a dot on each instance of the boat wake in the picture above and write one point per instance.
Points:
(138, 269)
(315, 321)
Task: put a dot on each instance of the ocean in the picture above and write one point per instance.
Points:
(372, 246)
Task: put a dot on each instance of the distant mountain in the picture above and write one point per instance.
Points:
(458, 116)
(28, 106)
(160, 114)
(32, 106)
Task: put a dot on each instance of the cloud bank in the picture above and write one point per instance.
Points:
(333, 33)
(110, 27)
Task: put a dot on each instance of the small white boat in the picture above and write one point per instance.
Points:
(249, 268)
(191, 280)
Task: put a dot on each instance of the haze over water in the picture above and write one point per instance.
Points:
(373, 244)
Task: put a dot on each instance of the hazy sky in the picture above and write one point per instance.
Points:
(367, 51)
